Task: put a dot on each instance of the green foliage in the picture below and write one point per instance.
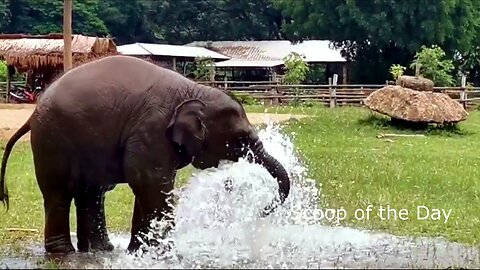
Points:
(183, 21)
(397, 70)
(245, 98)
(46, 16)
(433, 65)
(171, 21)
(374, 34)
(204, 68)
(471, 59)
(469, 64)
(316, 74)
(378, 33)
(3, 71)
(296, 69)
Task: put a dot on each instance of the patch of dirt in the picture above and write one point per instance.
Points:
(12, 117)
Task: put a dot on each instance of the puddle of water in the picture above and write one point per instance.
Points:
(220, 229)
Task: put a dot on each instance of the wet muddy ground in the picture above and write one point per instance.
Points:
(382, 251)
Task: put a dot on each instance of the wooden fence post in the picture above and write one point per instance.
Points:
(333, 91)
(9, 82)
(330, 90)
(463, 93)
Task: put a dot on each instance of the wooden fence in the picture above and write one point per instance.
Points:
(3, 88)
(330, 94)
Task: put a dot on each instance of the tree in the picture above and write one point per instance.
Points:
(127, 21)
(296, 69)
(378, 33)
(169, 21)
(183, 21)
(45, 16)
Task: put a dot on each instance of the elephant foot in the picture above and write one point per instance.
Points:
(59, 245)
(160, 248)
(95, 245)
(134, 246)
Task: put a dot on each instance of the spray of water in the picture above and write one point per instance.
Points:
(217, 226)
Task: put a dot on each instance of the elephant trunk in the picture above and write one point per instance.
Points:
(276, 170)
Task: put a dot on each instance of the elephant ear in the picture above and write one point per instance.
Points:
(187, 129)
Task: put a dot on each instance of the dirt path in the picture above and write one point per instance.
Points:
(12, 117)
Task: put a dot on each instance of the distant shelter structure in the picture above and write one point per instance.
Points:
(175, 57)
(40, 57)
(263, 60)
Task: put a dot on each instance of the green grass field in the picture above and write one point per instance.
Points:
(354, 168)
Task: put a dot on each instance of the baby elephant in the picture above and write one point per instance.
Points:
(121, 119)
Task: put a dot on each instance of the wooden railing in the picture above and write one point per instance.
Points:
(328, 94)
(334, 95)
(3, 88)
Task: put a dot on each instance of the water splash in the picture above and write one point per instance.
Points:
(219, 227)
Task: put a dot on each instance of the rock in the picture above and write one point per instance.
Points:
(415, 106)
(415, 83)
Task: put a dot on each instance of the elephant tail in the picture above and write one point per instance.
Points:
(8, 148)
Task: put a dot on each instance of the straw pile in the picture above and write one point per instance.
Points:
(415, 106)
(415, 83)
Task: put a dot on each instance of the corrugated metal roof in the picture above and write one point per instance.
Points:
(168, 50)
(274, 50)
(248, 63)
(132, 49)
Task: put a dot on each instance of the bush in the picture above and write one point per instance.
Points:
(433, 65)
(397, 71)
(204, 68)
(3, 71)
(296, 69)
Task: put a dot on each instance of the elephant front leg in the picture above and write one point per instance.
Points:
(151, 202)
(92, 232)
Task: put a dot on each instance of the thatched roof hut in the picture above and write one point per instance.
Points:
(30, 52)
(415, 106)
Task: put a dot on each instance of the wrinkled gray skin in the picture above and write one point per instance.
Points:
(124, 120)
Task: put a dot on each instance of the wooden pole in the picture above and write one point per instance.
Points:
(9, 82)
(417, 70)
(67, 34)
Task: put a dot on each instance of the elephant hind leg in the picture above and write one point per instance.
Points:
(53, 180)
(92, 232)
(57, 225)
